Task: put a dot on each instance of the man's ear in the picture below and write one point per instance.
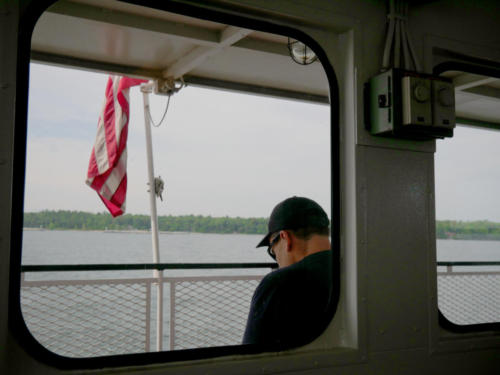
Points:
(288, 237)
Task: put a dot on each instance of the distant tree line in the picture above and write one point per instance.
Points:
(468, 230)
(206, 224)
(103, 221)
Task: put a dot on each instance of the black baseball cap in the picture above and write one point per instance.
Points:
(295, 213)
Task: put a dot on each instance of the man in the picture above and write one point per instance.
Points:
(294, 304)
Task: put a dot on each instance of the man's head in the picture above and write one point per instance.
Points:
(297, 227)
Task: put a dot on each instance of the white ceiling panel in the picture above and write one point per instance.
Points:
(477, 97)
(129, 39)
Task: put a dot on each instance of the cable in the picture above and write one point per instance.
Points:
(397, 45)
(410, 46)
(406, 53)
(398, 35)
(404, 35)
(164, 114)
(172, 86)
(389, 37)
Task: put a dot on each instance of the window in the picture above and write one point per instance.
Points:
(226, 157)
(467, 201)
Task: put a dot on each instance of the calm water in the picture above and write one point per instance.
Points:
(80, 247)
(467, 250)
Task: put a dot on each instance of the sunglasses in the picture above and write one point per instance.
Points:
(270, 247)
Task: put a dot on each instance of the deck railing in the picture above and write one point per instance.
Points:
(83, 318)
(469, 292)
(99, 316)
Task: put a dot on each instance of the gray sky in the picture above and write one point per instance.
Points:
(221, 153)
(467, 175)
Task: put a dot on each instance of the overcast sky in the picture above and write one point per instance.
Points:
(467, 174)
(221, 153)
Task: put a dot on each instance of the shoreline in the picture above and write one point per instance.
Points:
(147, 231)
(135, 231)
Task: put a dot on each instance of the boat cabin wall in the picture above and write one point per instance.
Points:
(387, 320)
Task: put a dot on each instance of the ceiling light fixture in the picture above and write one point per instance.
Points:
(300, 53)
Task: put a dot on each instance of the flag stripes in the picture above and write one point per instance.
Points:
(107, 172)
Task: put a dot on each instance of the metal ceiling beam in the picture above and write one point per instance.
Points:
(478, 123)
(93, 65)
(247, 88)
(197, 56)
(231, 35)
(466, 81)
(260, 45)
(482, 92)
(100, 66)
(190, 33)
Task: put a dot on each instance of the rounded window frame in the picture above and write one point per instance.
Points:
(27, 22)
(480, 68)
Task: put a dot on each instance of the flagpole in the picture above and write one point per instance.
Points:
(146, 89)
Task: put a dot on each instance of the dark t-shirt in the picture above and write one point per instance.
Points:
(294, 304)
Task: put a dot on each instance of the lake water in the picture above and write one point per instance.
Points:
(96, 247)
(87, 247)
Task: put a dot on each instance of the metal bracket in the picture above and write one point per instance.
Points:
(167, 86)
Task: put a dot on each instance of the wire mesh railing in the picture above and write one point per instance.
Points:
(467, 293)
(97, 317)
(209, 311)
(86, 318)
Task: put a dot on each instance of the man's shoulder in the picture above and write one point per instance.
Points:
(319, 261)
(272, 279)
(286, 275)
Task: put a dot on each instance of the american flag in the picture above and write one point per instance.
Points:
(107, 173)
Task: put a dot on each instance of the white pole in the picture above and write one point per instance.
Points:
(146, 90)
